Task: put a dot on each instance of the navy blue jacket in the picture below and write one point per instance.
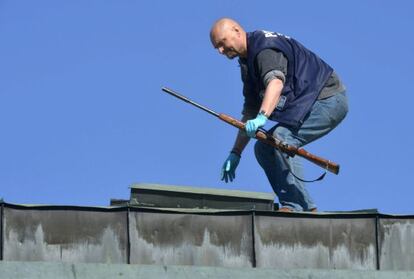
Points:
(306, 76)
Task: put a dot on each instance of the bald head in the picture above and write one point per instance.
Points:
(229, 38)
(223, 25)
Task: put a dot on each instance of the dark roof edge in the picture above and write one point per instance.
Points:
(321, 215)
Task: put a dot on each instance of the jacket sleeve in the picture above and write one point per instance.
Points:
(271, 64)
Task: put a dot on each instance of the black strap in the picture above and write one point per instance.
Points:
(322, 176)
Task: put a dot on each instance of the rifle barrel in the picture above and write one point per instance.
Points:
(185, 99)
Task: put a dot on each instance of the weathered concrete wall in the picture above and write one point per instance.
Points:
(65, 235)
(220, 239)
(397, 244)
(188, 239)
(315, 243)
(41, 270)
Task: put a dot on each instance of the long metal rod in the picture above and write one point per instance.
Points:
(185, 99)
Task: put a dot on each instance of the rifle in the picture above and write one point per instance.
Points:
(264, 136)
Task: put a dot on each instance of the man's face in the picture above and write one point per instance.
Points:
(227, 42)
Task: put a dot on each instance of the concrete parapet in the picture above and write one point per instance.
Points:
(53, 270)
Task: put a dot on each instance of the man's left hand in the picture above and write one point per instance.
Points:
(254, 124)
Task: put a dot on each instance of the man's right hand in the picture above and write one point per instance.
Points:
(228, 171)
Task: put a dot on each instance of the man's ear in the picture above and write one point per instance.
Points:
(236, 30)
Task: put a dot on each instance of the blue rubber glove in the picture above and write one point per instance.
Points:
(254, 124)
(228, 171)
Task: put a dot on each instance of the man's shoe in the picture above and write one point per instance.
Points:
(285, 209)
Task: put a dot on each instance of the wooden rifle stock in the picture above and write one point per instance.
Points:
(264, 136)
(288, 149)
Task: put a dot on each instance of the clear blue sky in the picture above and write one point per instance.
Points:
(82, 115)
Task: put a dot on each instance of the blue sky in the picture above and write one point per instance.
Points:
(82, 115)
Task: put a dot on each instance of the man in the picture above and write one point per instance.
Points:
(286, 83)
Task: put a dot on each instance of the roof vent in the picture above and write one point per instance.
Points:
(169, 196)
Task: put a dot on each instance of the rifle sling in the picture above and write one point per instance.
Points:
(322, 176)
